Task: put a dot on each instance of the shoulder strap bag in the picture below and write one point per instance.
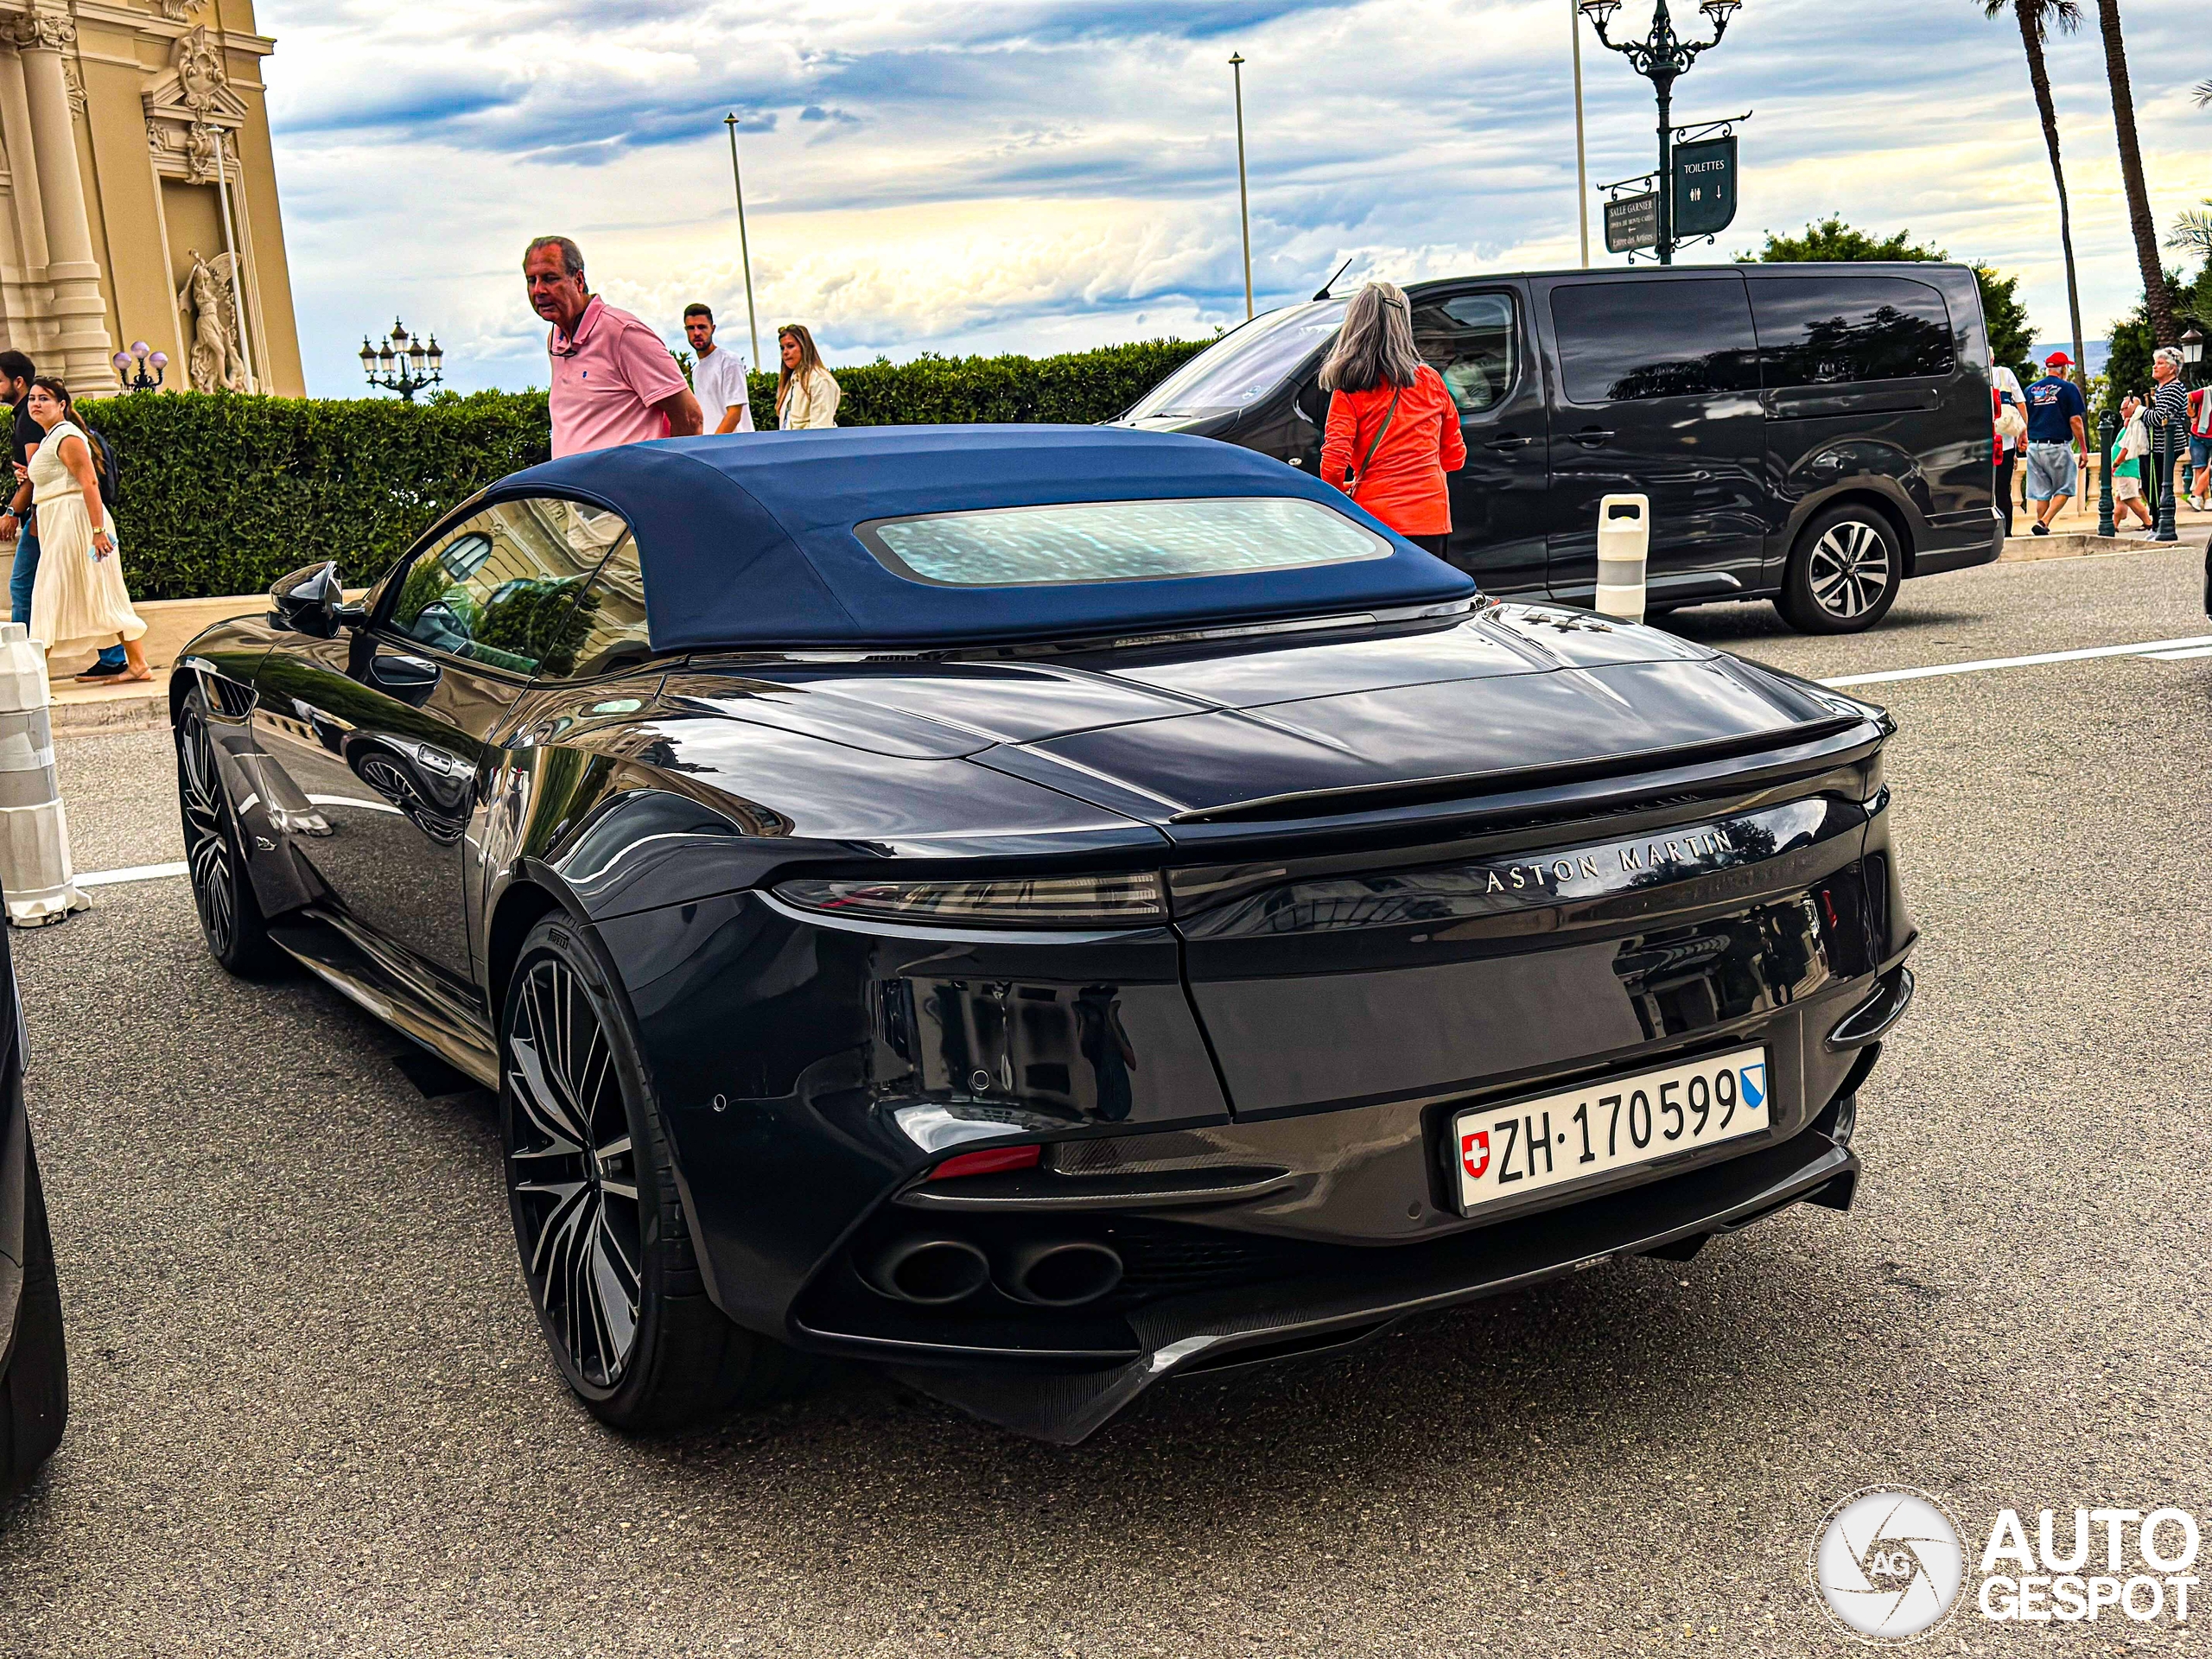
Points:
(1359, 472)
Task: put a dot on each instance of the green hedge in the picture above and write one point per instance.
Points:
(224, 493)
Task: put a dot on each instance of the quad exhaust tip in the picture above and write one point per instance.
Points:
(936, 1272)
(1064, 1274)
(929, 1272)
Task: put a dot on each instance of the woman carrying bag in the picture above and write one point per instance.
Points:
(1394, 430)
(79, 599)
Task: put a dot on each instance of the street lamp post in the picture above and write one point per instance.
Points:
(130, 366)
(1581, 153)
(403, 363)
(1244, 202)
(744, 248)
(1662, 58)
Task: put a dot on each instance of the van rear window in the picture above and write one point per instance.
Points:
(1118, 541)
(1817, 332)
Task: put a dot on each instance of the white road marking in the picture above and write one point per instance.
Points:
(130, 873)
(2145, 648)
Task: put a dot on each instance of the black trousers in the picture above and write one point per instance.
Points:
(2005, 487)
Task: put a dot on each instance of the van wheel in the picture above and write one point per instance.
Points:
(1844, 574)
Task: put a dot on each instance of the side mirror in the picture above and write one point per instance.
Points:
(312, 601)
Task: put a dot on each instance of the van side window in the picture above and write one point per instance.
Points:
(1815, 333)
(1619, 341)
(1470, 340)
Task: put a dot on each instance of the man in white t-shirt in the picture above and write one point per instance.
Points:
(717, 376)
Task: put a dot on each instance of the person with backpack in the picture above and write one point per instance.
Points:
(1393, 430)
(18, 525)
(78, 599)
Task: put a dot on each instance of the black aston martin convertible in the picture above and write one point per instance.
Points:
(1044, 909)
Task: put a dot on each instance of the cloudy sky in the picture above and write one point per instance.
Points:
(1043, 175)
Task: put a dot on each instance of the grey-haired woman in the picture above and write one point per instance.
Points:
(1394, 430)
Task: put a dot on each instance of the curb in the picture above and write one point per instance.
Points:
(2076, 544)
(109, 714)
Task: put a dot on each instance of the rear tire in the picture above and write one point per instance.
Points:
(1843, 574)
(606, 1250)
(222, 891)
(35, 1392)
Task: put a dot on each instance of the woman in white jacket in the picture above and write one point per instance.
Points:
(806, 393)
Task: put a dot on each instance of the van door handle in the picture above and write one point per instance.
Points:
(1591, 437)
(1506, 442)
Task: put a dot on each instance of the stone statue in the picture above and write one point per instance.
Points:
(218, 362)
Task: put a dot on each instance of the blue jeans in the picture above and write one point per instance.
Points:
(25, 576)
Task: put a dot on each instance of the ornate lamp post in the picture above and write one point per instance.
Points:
(1662, 58)
(130, 366)
(403, 363)
(2192, 354)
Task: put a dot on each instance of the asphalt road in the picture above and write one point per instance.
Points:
(311, 1414)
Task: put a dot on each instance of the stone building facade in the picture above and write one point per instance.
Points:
(138, 194)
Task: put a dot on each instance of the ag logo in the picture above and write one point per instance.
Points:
(1887, 1563)
(1474, 1153)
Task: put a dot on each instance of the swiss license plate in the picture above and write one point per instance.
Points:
(1504, 1152)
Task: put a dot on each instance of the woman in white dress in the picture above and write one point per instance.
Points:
(806, 393)
(79, 599)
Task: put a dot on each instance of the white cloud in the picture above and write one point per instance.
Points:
(1049, 175)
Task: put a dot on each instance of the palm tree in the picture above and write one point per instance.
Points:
(2158, 304)
(2192, 232)
(2035, 18)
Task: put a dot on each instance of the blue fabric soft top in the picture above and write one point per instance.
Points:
(748, 540)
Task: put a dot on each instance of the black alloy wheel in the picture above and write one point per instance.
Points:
(1843, 577)
(34, 1388)
(604, 1248)
(230, 915)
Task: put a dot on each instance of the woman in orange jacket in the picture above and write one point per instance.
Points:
(1394, 430)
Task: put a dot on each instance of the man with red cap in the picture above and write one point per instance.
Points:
(2057, 436)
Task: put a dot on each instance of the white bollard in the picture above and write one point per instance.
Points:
(1623, 541)
(35, 870)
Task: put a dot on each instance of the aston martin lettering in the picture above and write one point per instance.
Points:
(1630, 858)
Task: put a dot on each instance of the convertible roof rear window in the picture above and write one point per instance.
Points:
(1088, 542)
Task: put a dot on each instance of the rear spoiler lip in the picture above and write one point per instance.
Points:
(1361, 798)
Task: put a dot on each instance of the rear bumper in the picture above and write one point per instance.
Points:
(1317, 1312)
(1961, 556)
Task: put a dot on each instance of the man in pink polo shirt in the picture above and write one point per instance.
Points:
(613, 382)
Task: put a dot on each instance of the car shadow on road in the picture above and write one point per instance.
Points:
(1607, 1377)
(1736, 625)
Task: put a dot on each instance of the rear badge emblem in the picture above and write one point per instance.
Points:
(1474, 1153)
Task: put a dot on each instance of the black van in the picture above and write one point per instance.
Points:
(1809, 433)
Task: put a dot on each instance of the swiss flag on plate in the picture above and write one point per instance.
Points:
(1474, 1153)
